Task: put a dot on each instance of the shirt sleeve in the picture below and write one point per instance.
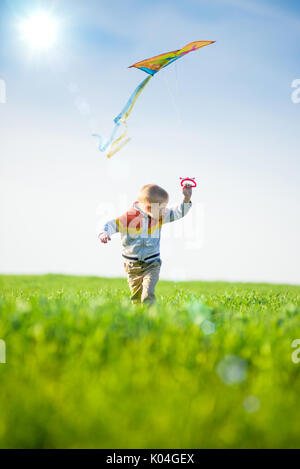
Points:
(110, 228)
(175, 213)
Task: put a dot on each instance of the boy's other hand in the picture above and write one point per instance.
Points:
(187, 192)
(104, 238)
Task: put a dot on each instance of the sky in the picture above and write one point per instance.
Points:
(224, 115)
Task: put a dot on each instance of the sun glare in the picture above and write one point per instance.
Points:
(39, 30)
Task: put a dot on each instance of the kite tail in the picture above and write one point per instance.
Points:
(116, 145)
(103, 146)
(119, 142)
(131, 102)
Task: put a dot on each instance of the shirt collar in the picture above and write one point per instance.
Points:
(138, 208)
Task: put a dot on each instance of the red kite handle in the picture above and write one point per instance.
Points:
(192, 180)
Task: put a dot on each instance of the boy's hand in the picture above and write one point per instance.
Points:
(104, 238)
(187, 192)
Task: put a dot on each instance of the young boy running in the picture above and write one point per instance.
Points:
(140, 230)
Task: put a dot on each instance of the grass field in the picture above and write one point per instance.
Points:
(210, 366)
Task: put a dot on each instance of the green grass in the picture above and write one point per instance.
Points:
(86, 369)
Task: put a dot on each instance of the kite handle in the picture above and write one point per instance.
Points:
(192, 180)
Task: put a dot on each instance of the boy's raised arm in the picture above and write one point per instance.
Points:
(175, 213)
(181, 210)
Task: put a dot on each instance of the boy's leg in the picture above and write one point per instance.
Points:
(151, 277)
(135, 281)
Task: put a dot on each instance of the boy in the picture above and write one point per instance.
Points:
(140, 230)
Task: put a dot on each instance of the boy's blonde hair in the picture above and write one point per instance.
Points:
(151, 193)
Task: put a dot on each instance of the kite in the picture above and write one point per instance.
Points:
(151, 67)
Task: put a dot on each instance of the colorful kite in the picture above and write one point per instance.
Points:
(150, 66)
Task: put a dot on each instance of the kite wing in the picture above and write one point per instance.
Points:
(155, 64)
(150, 66)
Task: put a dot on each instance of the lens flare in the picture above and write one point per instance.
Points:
(39, 30)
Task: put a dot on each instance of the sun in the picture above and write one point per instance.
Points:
(39, 30)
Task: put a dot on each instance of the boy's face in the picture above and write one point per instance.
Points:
(155, 209)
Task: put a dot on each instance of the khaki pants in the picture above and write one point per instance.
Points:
(142, 279)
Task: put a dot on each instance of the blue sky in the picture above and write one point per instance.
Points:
(224, 115)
